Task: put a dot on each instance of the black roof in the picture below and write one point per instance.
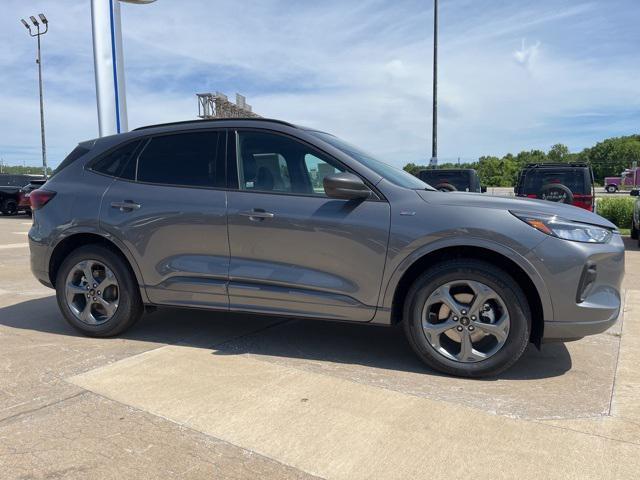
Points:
(555, 165)
(215, 120)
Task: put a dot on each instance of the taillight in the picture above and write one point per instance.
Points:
(39, 198)
(583, 201)
(532, 195)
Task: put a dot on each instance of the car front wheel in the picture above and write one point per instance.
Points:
(97, 293)
(468, 318)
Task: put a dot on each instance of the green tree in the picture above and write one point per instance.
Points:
(558, 153)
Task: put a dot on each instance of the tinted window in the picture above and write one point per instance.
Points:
(188, 159)
(574, 179)
(275, 163)
(118, 163)
(459, 179)
(14, 180)
(393, 174)
(75, 154)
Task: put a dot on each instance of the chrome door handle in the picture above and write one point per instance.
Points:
(127, 205)
(257, 214)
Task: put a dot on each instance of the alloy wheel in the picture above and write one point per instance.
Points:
(465, 321)
(92, 292)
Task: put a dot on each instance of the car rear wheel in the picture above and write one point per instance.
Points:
(467, 318)
(10, 207)
(97, 293)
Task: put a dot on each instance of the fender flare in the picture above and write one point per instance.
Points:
(509, 253)
(110, 239)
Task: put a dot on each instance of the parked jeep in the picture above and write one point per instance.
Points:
(570, 183)
(452, 179)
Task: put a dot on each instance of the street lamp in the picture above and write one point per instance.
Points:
(38, 33)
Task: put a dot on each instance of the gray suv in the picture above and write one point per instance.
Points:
(267, 217)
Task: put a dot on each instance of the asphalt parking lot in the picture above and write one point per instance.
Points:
(188, 394)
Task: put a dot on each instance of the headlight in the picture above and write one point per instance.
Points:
(566, 229)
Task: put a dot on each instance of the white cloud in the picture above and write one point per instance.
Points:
(526, 56)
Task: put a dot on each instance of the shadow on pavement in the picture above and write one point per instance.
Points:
(630, 244)
(293, 339)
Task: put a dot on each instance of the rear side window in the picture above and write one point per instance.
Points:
(75, 154)
(187, 159)
(119, 163)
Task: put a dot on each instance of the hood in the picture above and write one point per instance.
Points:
(516, 204)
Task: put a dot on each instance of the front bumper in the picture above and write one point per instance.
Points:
(565, 331)
(580, 311)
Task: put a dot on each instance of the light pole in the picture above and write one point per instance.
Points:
(434, 129)
(38, 34)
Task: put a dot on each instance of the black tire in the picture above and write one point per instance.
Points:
(556, 192)
(130, 307)
(10, 207)
(611, 188)
(446, 187)
(476, 270)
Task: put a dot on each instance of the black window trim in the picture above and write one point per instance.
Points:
(233, 182)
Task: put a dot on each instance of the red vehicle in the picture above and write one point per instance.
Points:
(628, 180)
(570, 183)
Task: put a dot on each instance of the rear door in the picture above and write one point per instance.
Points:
(294, 250)
(170, 212)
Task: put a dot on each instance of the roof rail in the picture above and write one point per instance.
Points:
(212, 120)
(556, 164)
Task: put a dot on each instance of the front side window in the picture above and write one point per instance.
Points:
(185, 159)
(395, 175)
(274, 163)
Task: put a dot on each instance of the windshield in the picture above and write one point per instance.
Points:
(394, 175)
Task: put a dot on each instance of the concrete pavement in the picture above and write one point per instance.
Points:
(197, 395)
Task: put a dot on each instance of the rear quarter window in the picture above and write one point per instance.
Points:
(75, 154)
(119, 162)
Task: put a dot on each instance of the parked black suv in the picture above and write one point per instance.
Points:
(11, 193)
(570, 183)
(452, 179)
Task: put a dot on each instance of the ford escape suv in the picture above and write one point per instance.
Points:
(267, 217)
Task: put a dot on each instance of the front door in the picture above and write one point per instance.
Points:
(294, 250)
(172, 218)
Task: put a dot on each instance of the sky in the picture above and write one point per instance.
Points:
(514, 75)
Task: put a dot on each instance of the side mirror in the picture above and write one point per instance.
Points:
(346, 186)
(483, 189)
(635, 193)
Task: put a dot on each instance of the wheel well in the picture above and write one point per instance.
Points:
(519, 275)
(69, 244)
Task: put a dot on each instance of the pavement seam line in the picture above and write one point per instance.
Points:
(615, 371)
(42, 407)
